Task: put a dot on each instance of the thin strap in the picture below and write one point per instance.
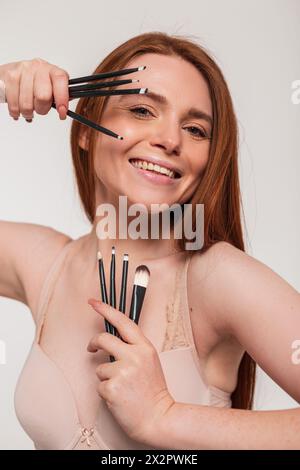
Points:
(186, 320)
(47, 287)
(177, 335)
(184, 306)
(184, 335)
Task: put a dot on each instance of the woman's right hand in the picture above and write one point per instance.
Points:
(32, 85)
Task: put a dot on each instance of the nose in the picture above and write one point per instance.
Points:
(167, 136)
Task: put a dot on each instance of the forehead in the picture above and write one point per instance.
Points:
(173, 77)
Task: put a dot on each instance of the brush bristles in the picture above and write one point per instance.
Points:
(143, 91)
(99, 256)
(141, 276)
(125, 257)
(142, 67)
(113, 250)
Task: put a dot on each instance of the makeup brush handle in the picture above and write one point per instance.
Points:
(137, 300)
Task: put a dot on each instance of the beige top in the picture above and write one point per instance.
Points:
(46, 403)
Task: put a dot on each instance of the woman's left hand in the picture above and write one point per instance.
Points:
(133, 386)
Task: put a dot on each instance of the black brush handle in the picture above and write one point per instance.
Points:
(137, 300)
(104, 292)
(108, 325)
(96, 86)
(101, 76)
(87, 122)
(112, 288)
(122, 304)
(129, 91)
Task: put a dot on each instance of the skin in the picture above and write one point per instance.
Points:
(164, 136)
(226, 317)
(163, 131)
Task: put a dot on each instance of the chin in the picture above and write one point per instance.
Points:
(148, 200)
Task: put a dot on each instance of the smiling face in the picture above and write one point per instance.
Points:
(172, 132)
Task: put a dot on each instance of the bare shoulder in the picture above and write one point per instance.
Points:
(33, 249)
(247, 302)
(227, 281)
(202, 290)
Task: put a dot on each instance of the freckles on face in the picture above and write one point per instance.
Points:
(110, 153)
(168, 130)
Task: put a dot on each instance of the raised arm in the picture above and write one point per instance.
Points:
(26, 253)
(30, 86)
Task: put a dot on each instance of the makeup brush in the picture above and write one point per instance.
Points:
(93, 125)
(101, 76)
(112, 284)
(103, 287)
(122, 304)
(88, 90)
(141, 279)
(108, 326)
(97, 85)
(129, 91)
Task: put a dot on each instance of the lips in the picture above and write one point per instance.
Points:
(153, 177)
(154, 161)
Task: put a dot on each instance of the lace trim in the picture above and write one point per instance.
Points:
(175, 333)
(86, 435)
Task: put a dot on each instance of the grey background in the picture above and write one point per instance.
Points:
(257, 45)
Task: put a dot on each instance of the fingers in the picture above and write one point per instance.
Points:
(110, 343)
(12, 91)
(32, 85)
(60, 84)
(42, 91)
(105, 371)
(26, 94)
(128, 329)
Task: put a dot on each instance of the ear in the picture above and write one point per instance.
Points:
(83, 140)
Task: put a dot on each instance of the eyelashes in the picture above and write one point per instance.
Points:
(135, 110)
(200, 133)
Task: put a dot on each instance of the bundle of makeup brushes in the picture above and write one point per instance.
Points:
(96, 89)
(140, 283)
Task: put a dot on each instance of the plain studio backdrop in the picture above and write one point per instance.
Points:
(257, 45)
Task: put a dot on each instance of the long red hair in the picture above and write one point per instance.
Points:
(218, 189)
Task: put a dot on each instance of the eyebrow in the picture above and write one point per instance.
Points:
(192, 113)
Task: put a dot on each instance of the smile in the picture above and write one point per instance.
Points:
(154, 168)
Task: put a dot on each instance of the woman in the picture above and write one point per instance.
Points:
(205, 322)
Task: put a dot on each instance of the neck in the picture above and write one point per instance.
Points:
(114, 227)
(139, 250)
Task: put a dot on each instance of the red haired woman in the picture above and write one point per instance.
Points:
(183, 377)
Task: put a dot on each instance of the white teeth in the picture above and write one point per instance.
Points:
(150, 166)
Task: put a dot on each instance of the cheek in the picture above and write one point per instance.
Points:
(198, 162)
(123, 123)
(111, 153)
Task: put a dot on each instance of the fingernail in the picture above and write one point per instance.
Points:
(16, 118)
(62, 110)
(29, 120)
